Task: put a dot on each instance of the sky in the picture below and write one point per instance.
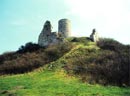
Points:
(21, 21)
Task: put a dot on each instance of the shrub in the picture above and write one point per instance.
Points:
(104, 66)
(56, 51)
(30, 57)
(110, 44)
(29, 47)
(8, 56)
(83, 40)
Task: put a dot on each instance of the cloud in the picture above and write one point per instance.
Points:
(111, 17)
(94, 8)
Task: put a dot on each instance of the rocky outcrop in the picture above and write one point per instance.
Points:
(94, 36)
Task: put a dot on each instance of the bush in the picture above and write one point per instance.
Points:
(29, 47)
(30, 57)
(104, 66)
(83, 40)
(8, 56)
(110, 44)
(56, 51)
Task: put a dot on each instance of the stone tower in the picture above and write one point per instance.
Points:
(64, 28)
(47, 37)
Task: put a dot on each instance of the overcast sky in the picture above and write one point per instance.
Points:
(21, 21)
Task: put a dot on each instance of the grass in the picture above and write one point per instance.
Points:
(48, 82)
(58, 83)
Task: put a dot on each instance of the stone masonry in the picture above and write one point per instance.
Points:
(94, 36)
(64, 27)
(47, 37)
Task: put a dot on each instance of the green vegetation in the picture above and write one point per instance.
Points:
(74, 68)
(97, 64)
(30, 57)
(58, 83)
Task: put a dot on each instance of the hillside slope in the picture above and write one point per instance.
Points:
(58, 83)
(106, 62)
(73, 69)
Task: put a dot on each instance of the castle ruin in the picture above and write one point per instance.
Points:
(94, 36)
(47, 37)
(64, 27)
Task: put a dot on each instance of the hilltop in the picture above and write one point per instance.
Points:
(76, 66)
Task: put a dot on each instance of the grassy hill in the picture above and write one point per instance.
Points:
(58, 83)
(76, 68)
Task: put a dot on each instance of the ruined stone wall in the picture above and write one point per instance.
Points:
(64, 28)
(94, 36)
(47, 37)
